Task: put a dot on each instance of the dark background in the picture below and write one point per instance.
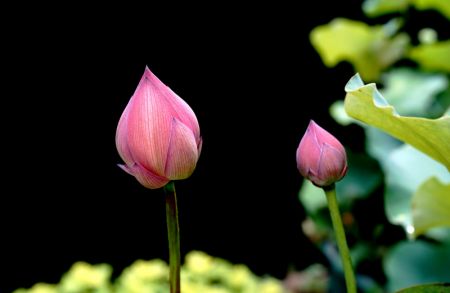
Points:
(251, 77)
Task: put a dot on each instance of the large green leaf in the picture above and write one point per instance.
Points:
(410, 92)
(431, 136)
(431, 206)
(418, 262)
(371, 49)
(406, 169)
(433, 56)
(429, 288)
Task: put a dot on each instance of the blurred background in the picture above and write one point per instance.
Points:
(254, 80)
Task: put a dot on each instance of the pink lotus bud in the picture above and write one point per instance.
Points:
(158, 135)
(321, 157)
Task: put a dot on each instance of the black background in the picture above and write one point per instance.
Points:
(253, 80)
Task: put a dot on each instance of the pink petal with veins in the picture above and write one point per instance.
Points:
(121, 137)
(183, 153)
(308, 152)
(179, 109)
(324, 136)
(149, 126)
(331, 166)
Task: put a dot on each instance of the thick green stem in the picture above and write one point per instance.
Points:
(173, 232)
(340, 237)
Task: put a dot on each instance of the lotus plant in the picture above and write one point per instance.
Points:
(321, 158)
(158, 138)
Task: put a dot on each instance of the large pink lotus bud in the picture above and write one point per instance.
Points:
(158, 135)
(321, 157)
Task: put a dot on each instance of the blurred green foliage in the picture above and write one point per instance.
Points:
(407, 134)
(402, 181)
(412, 92)
(407, 261)
(431, 206)
(373, 8)
(371, 49)
(442, 6)
(432, 56)
(201, 273)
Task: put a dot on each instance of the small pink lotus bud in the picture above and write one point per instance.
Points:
(158, 135)
(321, 157)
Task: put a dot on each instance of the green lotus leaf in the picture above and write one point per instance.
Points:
(431, 206)
(431, 136)
(411, 263)
(410, 92)
(370, 49)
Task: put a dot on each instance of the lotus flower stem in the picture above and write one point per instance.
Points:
(173, 231)
(330, 192)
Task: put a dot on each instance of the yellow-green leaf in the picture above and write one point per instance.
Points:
(370, 49)
(431, 136)
(39, 288)
(440, 5)
(431, 206)
(435, 56)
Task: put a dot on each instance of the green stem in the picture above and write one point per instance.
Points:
(330, 191)
(173, 232)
